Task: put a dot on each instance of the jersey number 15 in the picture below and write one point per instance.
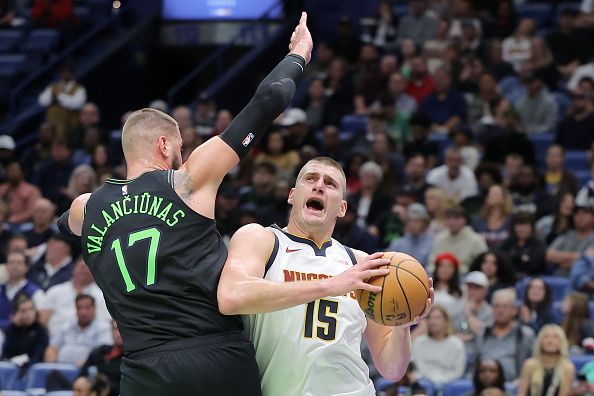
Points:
(327, 322)
(154, 235)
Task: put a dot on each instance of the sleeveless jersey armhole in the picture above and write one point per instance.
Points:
(273, 254)
(351, 254)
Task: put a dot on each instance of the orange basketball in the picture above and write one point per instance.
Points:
(405, 290)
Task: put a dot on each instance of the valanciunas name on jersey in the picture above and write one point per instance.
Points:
(143, 204)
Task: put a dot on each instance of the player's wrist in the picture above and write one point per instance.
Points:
(303, 50)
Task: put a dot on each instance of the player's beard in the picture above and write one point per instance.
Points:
(176, 163)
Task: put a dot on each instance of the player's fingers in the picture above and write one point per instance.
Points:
(376, 263)
(303, 19)
(377, 272)
(371, 288)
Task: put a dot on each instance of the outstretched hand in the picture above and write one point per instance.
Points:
(355, 277)
(301, 42)
(427, 309)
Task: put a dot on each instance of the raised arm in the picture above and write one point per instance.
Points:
(391, 347)
(70, 223)
(242, 289)
(219, 155)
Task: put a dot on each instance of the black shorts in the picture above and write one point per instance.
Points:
(216, 365)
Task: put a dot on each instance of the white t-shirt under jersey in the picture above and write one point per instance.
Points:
(311, 349)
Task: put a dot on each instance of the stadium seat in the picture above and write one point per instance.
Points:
(576, 161)
(8, 374)
(353, 123)
(559, 286)
(382, 383)
(442, 140)
(591, 308)
(539, 12)
(566, 6)
(38, 372)
(583, 177)
(15, 393)
(82, 14)
(38, 45)
(458, 387)
(558, 311)
(401, 10)
(428, 386)
(9, 39)
(508, 86)
(580, 361)
(10, 68)
(59, 393)
(541, 142)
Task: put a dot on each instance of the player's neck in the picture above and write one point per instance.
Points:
(136, 169)
(318, 235)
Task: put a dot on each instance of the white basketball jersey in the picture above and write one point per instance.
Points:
(311, 349)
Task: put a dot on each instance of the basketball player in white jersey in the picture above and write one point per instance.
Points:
(296, 285)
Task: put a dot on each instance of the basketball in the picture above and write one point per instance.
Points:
(405, 290)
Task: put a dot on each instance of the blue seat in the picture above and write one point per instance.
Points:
(59, 393)
(383, 384)
(566, 6)
(14, 393)
(539, 12)
(541, 142)
(509, 87)
(558, 311)
(591, 309)
(458, 387)
(428, 386)
(9, 39)
(11, 66)
(576, 161)
(38, 373)
(82, 13)
(43, 39)
(563, 102)
(401, 10)
(580, 361)
(559, 286)
(8, 374)
(583, 177)
(442, 140)
(353, 123)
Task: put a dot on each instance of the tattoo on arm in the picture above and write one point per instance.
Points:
(182, 184)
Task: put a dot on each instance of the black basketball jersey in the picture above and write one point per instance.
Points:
(157, 261)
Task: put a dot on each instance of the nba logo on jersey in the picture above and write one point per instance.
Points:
(248, 139)
(124, 190)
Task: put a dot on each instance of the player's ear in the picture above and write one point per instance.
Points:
(163, 146)
(290, 199)
(343, 208)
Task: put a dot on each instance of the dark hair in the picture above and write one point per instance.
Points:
(100, 384)
(20, 299)
(521, 218)
(557, 219)
(479, 386)
(491, 169)
(453, 283)
(420, 119)
(547, 300)
(265, 166)
(83, 297)
(505, 272)
(455, 211)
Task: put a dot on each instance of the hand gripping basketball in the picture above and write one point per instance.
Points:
(355, 278)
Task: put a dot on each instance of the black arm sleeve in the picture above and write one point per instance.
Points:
(64, 227)
(273, 95)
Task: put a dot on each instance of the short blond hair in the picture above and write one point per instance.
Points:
(144, 124)
(328, 162)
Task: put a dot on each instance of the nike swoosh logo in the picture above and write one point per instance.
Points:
(298, 65)
(292, 250)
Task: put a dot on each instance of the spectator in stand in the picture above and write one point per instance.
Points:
(298, 133)
(566, 42)
(518, 48)
(577, 323)
(190, 141)
(370, 200)
(445, 106)
(390, 224)
(420, 84)
(106, 359)
(439, 355)
(339, 90)
(96, 386)
(416, 242)
(446, 276)
(488, 379)
(55, 266)
(585, 196)
(204, 116)
(494, 220)
(8, 12)
(551, 226)
(183, 116)
(44, 212)
(487, 175)
(506, 340)
(352, 234)
(556, 177)
(332, 146)
(315, 104)
(575, 130)
(523, 249)
(227, 211)
(537, 109)
(582, 273)
(420, 143)
(487, 107)
(25, 339)
(89, 117)
(459, 239)
(224, 118)
(5, 233)
(567, 248)
(19, 195)
(54, 174)
(381, 30)
(51, 14)
(476, 313)
(529, 194)
(261, 190)
(434, 49)
(36, 154)
(506, 139)
(17, 283)
(347, 43)
(457, 180)
(537, 305)
(549, 371)
(75, 340)
(543, 64)
(417, 25)
(496, 63)
(414, 176)
(91, 138)
(82, 180)
(285, 161)
(497, 269)
(57, 306)
(436, 203)
(63, 99)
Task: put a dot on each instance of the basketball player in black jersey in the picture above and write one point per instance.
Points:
(153, 248)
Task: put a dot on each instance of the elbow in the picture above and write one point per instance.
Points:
(276, 96)
(394, 374)
(228, 305)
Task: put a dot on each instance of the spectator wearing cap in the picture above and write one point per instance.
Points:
(537, 109)
(352, 234)
(523, 249)
(416, 242)
(454, 178)
(445, 106)
(568, 247)
(575, 130)
(420, 143)
(63, 100)
(58, 305)
(55, 266)
(7, 149)
(16, 268)
(582, 273)
(298, 133)
(19, 195)
(446, 281)
(458, 239)
(476, 313)
(507, 340)
(417, 25)
(53, 176)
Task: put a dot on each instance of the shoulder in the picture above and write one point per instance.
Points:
(530, 363)
(253, 236)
